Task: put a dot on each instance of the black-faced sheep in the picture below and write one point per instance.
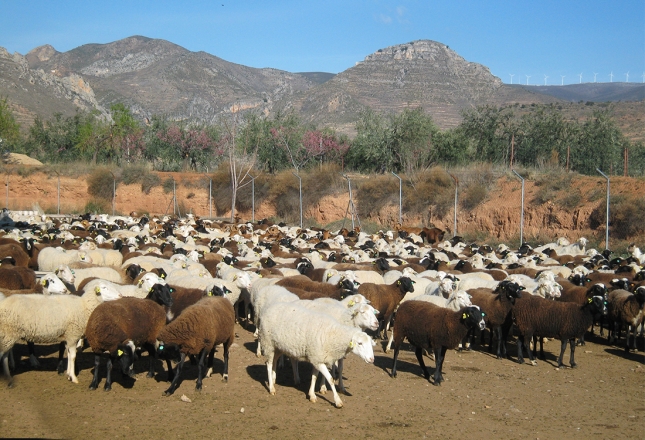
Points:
(427, 326)
(625, 308)
(116, 328)
(339, 291)
(497, 304)
(385, 298)
(199, 328)
(534, 315)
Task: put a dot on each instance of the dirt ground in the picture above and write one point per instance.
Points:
(482, 397)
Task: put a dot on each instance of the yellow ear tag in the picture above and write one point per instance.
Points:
(119, 352)
(464, 316)
(351, 304)
(351, 344)
(97, 289)
(590, 300)
(234, 277)
(398, 283)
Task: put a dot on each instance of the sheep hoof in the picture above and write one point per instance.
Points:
(339, 404)
(534, 363)
(10, 384)
(225, 378)
(313, 399)
(167, 393)
(323, 390)
(574, 365)
(437, 384)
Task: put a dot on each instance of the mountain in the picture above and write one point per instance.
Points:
(154, 76)
(593, 92)
(157, 77)
(420, 73)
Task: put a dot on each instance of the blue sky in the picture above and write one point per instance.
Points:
(536, 38)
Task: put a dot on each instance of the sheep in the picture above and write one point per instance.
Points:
(426, 326)
(139, 290)
(497, 304)
(197, 331)
(443, 288)
(533, 315)
(385, 298)
(116, 328)
(304, 335)
(15, 251)
(456, 301)
(183, 298)
(16, 277)
(628, 308)
(342, 289)
(50, 258)
(48, 319)
(74, 277)
(264, 298)
(577, 248)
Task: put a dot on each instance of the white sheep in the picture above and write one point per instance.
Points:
(140, 290)
(48, 319)
(303, 335)
(50, 258)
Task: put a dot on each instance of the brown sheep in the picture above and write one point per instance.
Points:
(344, 288)
(17, 277)
(15, 251)
(497, 304)
(200, 327)
(118, 327)
(534, 315)
(385, 298)
(426, 326)
(625, 308)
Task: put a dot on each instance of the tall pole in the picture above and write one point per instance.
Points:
(607, 213)
(300, 192)
(454, 231)
(113, 192)
(252, 199)
(6, 205)
(58, 193)
(522, 213)
(400, 198)
(210, 198)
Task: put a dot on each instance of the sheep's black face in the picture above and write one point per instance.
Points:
(598, 305)
(348, 287)
(511, 289)
(597, 290)
(217, 291)
(304, 266)
(382, 264)
(405, 284)
(640, 296)
(473, 317)
(161, 294)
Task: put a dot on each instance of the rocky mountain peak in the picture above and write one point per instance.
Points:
(41, 53)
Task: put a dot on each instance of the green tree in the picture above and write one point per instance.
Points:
(410, 141)
(490, 129)
(368, 151)
(600, 145)
(9, 128)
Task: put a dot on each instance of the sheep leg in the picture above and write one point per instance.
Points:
(12, 360)
(95, 380)
(542, 356)
(272, 363)
(152, 354)
(438, 375)
(396, 356)
(171, 373)
(211, 358)
(314, 377)
(177, 375)
(33, 359)
(296, 372)
(339, 370)
(530, 353)
(200, 369)
(5, 366)
(61, 350)
(389, 343)
(631, 329)
(520, 353)
(325, 372)
(225, 374)
(108, 378)
(419, 353)
(572, 344)
(71, 361)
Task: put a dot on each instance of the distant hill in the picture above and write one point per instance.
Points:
(592, 92)
(157, 77)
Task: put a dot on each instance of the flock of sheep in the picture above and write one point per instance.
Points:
(175, 288)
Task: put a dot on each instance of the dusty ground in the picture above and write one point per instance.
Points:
(481, 398)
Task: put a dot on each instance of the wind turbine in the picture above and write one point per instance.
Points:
(627, 77)
(512, 75)
(527, 79)
(580, 78)
(545, 78)
(611, 77)
(562, 79)
(594, 77)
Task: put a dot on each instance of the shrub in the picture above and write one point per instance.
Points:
(625, 217)
(98, 206)
(473, 195)
(149, 181)
(168, 185)
(571, 200)
(374, 192)
(134, 174)
(433, 188)
(100, 184)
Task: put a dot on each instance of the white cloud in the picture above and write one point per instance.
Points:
(385, 19)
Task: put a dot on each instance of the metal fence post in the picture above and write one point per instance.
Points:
(400, 198)
(454, 231)
(252, 199)
(607, 214)
(300, 190)
(522, 214)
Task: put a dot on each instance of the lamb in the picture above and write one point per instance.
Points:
(385, 298)
(625, 307)
(116, 328)
(48, 319)
(197, 331)
(497, 304)
(533, 315)
(304, 335)
(426, 325)
(456, 301)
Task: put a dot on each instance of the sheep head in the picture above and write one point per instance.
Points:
(511, 289)
(405, 284)
(598, 304)
(473, 316)
(362, 346)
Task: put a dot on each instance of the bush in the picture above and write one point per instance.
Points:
(101, 184)
(625, 217)
(374, 192)
(134, 174)
(473, 195)
(433, 188)
(149, 181)
(168, 185)
(98, 206)
(571, 200)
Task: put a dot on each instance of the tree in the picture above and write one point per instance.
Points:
(368, 151)
(489, 128)
(410, 141)
(600, 145)
(9, 128)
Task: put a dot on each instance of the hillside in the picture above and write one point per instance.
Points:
(592, 92)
